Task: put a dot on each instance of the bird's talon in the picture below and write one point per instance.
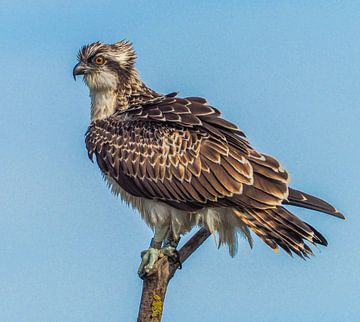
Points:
(148, 259)
(169, 251)
(150, 256)
(176, 258)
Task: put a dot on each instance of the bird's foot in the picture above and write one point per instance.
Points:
(150, 256)
(176, 258)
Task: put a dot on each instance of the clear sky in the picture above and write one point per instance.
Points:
(288, 73)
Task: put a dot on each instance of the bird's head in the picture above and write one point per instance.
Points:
(104, 66)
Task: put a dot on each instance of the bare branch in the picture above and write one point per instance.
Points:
(155, 284)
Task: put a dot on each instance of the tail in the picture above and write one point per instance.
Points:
(278, 227)
(304, 200)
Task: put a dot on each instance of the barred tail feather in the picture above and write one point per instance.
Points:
(304, 200)
(278, 227)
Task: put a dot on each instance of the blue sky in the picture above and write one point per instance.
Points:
(288, 73)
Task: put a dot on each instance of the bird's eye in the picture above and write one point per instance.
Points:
(99, 60)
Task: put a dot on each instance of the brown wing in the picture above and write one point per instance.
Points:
(180, 151)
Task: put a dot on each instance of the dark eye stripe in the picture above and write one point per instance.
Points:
(91, 58)
(114, 66)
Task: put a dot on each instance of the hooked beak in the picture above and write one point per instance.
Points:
(79, 69)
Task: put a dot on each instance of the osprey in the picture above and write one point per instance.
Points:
(180, 164)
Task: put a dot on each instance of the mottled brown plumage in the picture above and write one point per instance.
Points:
(180, 152)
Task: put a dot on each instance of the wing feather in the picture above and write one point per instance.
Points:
(181, 152)
(174, 149)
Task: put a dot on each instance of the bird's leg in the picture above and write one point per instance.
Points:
(154, 252)
(171, 240)
(170, 247)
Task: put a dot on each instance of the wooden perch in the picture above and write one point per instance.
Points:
(155, 285)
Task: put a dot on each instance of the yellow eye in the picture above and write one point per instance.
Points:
(99, 60)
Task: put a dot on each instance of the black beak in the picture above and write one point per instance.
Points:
(79, 69)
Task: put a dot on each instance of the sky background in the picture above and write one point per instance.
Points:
(288, 73)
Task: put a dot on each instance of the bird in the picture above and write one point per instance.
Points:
(180, 164)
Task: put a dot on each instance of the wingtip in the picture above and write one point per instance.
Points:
(338, 214)
(305, 200)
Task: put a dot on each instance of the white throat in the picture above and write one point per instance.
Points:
(103, 103)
